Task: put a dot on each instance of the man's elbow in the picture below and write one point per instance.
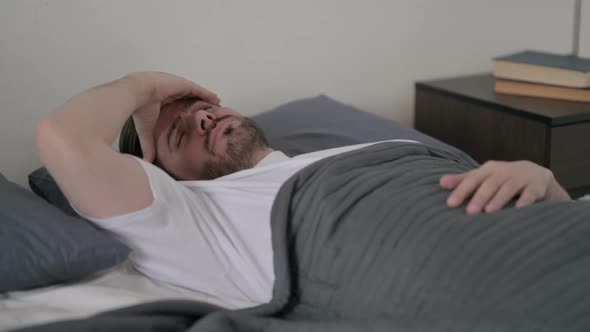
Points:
(47, 139)
(61, 145)
(54, 144)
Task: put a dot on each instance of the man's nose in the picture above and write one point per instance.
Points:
(204, 120)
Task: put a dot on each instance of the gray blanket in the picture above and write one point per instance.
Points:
(364, 241)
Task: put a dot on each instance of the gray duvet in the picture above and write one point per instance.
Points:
(363, 241)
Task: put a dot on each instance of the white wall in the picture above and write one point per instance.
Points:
(258, 53)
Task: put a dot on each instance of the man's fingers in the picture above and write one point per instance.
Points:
(484, 193)
(148, 150)
(192, 91)
(170, 87)
(451, 181)
(496, 183)
(467, 186)
(526, 198)
(202, 93)
(149, 157)
(507, 192)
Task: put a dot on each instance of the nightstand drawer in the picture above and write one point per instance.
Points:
(480, 130)
(570, 155)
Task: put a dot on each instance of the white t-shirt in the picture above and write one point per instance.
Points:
(211, 236)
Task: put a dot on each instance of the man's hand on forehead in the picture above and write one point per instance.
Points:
(164, 89)
(184, 103)
(192, 103)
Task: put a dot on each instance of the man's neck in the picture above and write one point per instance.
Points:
(261, 154)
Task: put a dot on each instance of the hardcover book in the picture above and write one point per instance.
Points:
(541, 90)
(545, 68)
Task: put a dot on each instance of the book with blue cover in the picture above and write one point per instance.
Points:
(544, 68)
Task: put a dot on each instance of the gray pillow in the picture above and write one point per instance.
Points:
(318, 123)
(40, 245)
(42, 184)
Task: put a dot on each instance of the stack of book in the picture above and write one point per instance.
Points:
(545, 75)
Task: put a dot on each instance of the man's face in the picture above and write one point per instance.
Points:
(196, 140)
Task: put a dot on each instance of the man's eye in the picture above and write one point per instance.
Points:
(180, 139)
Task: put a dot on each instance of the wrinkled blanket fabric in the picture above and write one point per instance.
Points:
(364, 241)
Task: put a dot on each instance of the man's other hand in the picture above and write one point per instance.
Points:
(157, 89)
(496, 183)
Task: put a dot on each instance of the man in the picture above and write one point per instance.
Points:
(199, 215)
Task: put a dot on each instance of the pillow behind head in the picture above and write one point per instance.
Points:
(40, 245)
(318, 123)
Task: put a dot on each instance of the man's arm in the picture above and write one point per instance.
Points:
(74, 142)
(495, 183)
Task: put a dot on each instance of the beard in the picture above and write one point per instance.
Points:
(244, 143)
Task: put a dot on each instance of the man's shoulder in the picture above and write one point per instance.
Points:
(342, 149)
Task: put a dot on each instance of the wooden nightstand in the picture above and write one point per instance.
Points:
(465, 112)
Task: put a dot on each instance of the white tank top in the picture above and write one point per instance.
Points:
(211, 236)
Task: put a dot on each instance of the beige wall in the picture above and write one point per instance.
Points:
(257, 53)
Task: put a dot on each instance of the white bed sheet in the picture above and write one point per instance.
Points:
(116, 288)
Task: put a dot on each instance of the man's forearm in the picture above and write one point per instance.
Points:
(75, 141)
(555, 192)
(97, 115)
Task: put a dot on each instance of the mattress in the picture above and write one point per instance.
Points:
(119, 287)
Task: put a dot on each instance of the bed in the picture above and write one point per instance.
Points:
(114, 288)
(111, 283)
(287, 129)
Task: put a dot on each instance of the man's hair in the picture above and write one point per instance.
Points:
(128, 139)
(129, 143)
